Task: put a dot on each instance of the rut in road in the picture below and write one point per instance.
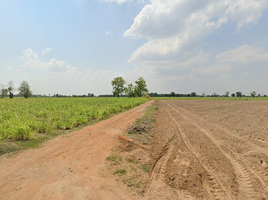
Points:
(244, 175)
(240, 163)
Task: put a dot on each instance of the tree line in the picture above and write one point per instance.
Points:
(9, 89)
(131, 90)
(214, 94)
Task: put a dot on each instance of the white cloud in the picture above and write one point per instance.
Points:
(116, 1)
(47, 50)
(109, 33)
(212, 70)
(243, 54)
(177, 27)
(11, 69)
(30, 59)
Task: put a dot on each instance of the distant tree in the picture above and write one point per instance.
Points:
(193, 94)
(233, 95)
(25, 89)
(253, 94)
(141, 87)
(227, 93)
(203, 94)
(11, 89)
(259, 95)
(118, 86)
(214, 94)
(88, 94)
(173, 94)
(130, 90)
(92, 95)
(3, 90)
(239, 94)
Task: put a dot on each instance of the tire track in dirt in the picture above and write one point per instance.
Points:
(243, 172)
(237, 158)
(218, 190)
(158, 174)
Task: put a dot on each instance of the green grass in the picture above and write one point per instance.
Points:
(211, 98)
(145, 168)
(119, 171)
(115, 160)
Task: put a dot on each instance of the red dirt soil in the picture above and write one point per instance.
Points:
(68, 167)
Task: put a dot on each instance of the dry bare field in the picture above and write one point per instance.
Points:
(210, 150)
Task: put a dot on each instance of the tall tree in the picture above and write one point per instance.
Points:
(227, 93)
(239, 94)
(25, 89)
(3, 90)
(253, 94)
(11, 89)
(193, 94)
(130, 90)
(141, 87)
(173, 94)
(118, 86)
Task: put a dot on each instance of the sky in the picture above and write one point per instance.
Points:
(182, 46)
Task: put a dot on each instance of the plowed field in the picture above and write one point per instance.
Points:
(210, 150)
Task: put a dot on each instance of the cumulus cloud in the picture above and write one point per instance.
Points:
(176, 27)
(243, 54)
(31, 60)
(47, 50)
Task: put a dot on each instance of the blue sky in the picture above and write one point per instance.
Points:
(79, 46)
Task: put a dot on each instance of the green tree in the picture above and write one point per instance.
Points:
(11, 89)
(118, 86)
(233, 95)
(130, 90)
(25, 89)
(141, 87)
(193, 94)
(253, 94)
(214, 94)
(227, 93)
(239, 94)
(3, 90)
(203, 94)
(173, 94)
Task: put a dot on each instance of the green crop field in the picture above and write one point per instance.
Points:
(22, 119)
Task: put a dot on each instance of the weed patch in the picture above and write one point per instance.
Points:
(119, 171)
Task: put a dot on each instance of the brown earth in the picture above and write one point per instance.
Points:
(200, 150)
(210, 150)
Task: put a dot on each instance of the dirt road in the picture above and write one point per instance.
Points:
(68, 167)
(210, 150)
